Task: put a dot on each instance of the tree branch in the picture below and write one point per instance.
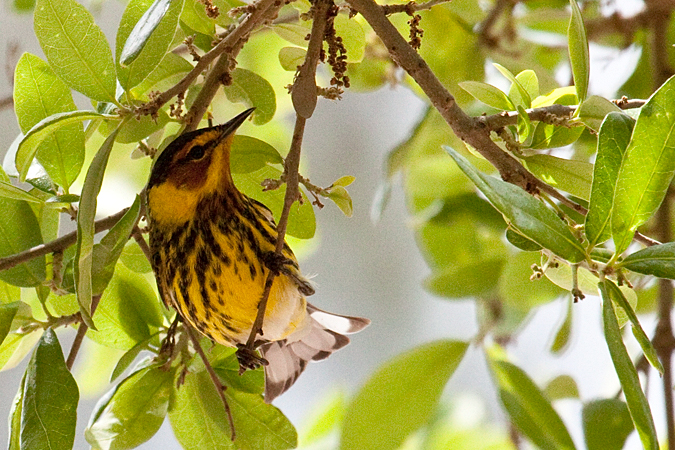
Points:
(214, 376)
(411, 7)
(81, 332)
(61, 243)
(231, 45)
(307, 76)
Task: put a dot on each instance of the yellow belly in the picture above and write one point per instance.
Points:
(221, 283)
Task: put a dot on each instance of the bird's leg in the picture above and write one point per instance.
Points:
(248, 357)
(279, 264)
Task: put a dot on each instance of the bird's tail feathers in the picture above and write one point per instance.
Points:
(288, 358)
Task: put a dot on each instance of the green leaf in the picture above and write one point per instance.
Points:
(134, 412)
(578, 47)
(128, 313)
(526, 100)
(15, 414)
(253, 91)
(618, 297)
(323, 419)
(107, 251)
(470, 279)
(133, 258)
(515, 287)
(7, 313)
(568, 175)
(85, 227)
(227, 368)
(39, 93)
(143, 38)
(594, 109)
(19, 231)
(528, 215)
(630, 382)
(529, 410)
(400, 396)
(199, 420)
(524, 124)
(344, 181)
(562, 386)
(293, 33)
(353, 37)
(50, 397)
(291, 58)
(128, 357)
(488, 94)
(16, 346)
(552, 136)
(520, 241)
(76, 48)
(528, 80)
(301, 222)
(29, 145)
(562, 337)
(613, 139)
(607, 424)
(342, 199)
(194, 16)
(657, 260)
(166, 74)
(647, 167)
(249, 154)
(8, 190)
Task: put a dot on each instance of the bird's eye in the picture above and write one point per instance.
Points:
(196, 153)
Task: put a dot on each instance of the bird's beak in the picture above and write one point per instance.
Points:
(231, 126)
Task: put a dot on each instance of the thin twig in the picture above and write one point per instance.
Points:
(6, 102)
(411, 7)
(61, 243)
(307, 75)
(231, 44)
(81, 332)
(140, 240)
(214, 376)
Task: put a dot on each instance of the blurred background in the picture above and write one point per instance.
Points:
(360, 267)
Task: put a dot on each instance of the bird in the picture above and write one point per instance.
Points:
(212, 248)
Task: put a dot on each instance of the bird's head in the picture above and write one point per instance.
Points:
(193, 166)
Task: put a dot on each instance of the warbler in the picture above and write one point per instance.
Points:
(212, 250)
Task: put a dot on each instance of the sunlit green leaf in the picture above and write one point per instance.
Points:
(76, 48)
(107, 251)
(607, 424)
(488, 94)
(569, 175)
(578, 46)
(630, 382)
(342, 199)
(39, 93)
(30, 143)
(525, 99)
(647, 168)
(85, 227)
(562, 386)
(613, 139)
(301, 222)
(253, 91)
(353, 37)
(400, 396)
(291, 58)
(594, 109)
(529, 410)
(525, 213)
(249, 154)
(134, 412)
(19, 231)
(143, 37)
